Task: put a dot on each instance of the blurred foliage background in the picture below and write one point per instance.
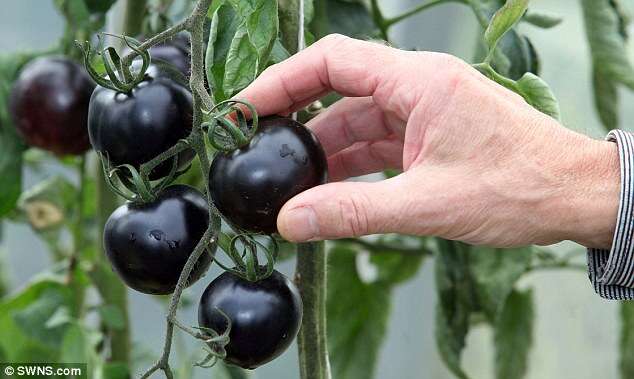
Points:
(576, 334)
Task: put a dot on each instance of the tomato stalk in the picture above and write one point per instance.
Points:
(194, 24)
(310, 271)
(78, 241)
(310, 277)
(385, 23)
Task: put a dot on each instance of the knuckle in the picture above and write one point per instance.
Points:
(271, 69)
(354, 215)
(334, 39)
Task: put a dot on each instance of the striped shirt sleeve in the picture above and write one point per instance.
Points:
(612, 271)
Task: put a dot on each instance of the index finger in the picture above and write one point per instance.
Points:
(350, 67)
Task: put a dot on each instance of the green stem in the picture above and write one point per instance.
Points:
(388, 22)
(379, 19)
(557, 266)
(289, 24)
(133, 17)
(310, 277)
(78, 241)
(488, 70)
(381, 247)
(319, 24)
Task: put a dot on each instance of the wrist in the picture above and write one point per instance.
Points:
(588, 195)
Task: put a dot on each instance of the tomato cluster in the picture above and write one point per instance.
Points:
(56, 106)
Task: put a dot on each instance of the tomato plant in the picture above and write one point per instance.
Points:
(132, 119)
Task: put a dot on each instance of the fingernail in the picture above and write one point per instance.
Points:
(300, 224)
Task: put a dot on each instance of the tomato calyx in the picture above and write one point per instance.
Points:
(120, 77)
(242, 249)
(230, 127)
(125, 179)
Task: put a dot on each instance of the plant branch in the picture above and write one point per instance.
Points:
(388, 22)
(310, 277)
(194, 24)
(486, 69)
(379, 19)
(77, 228)
(382, 247)
(208, 239)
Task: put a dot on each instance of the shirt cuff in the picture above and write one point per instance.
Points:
(612, 271)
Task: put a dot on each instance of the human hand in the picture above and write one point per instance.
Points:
(480, 164)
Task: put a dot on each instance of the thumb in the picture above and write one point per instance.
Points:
(344, 209)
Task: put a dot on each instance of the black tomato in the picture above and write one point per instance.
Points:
(175, 52)
(148, 244)
(265, 316)
(49, 105)
(250, 185)
(132, 128)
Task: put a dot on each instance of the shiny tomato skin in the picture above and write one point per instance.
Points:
(250, 185)
(132, 128)
(49, 105)
(148, 244)
(265, 316)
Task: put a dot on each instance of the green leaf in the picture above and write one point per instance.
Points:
(503, 20)
(351, 18)
(606, 99)
(357, 314)
(74, 346)
(542, 20)
(24, 334)
(241, 66)
(224, 25)
(115, 370)
(393, 266)
(75, 11)
(626, 346)
(607, 44)
(520, 56)
(456, 302)
(261, 23)
(11, 146)
(494, 272)
(243, 33)
(538, 94)
(471, 281)
(513, 335)
(112, 316)
(49, 204)
(279, 53)
(606, 32)
(99, 6)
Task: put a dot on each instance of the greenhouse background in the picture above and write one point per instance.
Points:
(576, 332)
